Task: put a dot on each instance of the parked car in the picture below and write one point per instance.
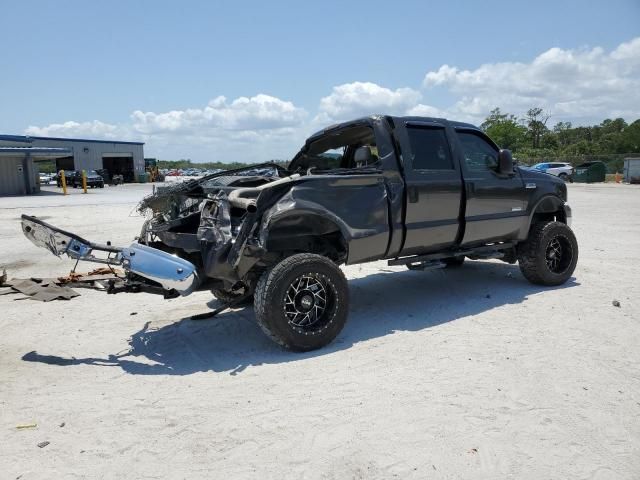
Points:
(45, 178)
(93, 179)
(559, 169)
(68, 175)
(420, 192)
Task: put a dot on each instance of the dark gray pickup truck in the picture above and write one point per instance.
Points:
(420, 192)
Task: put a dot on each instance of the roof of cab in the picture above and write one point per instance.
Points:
(371, 118)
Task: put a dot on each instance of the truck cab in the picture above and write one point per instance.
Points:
(446, 184)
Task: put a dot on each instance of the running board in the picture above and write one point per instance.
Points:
(170, 272)
(485, 252)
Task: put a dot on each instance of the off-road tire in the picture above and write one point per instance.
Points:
(230, 297)
(272, 292)
(533, 254)
(453, 262)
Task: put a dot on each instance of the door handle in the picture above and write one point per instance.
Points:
(413, 195)
(471, 187)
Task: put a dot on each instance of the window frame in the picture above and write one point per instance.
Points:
(483, 136)
(425, 125)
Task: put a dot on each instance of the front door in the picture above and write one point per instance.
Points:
(496, 203)
(434, 188)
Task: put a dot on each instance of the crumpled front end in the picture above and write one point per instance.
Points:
(227, 244)
(216, 236)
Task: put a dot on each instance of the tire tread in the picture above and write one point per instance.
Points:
(529, 252)
(265, 284)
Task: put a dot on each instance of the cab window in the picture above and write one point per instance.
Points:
(479, 155)
(429, 148)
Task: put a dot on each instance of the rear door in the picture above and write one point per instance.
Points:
(495, 203)
(433, 187)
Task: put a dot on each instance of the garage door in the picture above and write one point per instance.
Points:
(119, 164)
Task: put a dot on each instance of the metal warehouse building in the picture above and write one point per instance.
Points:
(117, 158)
(18, 173)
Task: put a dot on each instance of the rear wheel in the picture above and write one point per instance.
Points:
(550, 254)
(563, 176)
(302, 302)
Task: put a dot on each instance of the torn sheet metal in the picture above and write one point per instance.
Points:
(43, 290)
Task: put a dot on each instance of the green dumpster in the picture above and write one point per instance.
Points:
(143, 177)
(590, 172)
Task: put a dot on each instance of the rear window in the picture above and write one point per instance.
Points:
(429, 148)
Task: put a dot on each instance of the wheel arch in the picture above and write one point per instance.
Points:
(306, 230)
(547, 208)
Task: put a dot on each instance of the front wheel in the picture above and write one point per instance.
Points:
(302, 302)
(550, 254)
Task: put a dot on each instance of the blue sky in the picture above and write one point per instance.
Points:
(157, 71)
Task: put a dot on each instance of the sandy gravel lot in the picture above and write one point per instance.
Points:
(472, 373)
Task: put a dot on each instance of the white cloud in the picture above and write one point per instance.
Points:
(422, 110)
(364, 98)
(93, 129)
(261, 112)
(247, 129)
(580, 85)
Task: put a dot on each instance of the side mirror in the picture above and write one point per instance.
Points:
(505, 162)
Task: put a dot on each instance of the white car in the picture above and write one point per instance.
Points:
(45, 178)
(559, 169)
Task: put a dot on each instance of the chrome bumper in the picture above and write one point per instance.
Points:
(169, 271)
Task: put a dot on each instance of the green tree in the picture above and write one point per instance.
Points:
(536, 122)
(504, 129)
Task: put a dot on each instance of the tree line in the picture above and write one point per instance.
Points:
(532, 137)
(184, 164)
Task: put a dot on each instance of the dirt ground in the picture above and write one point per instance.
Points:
(469, 373)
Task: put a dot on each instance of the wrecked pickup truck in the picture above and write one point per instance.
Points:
(420, 192)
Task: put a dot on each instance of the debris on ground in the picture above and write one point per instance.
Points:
(42, 289)
(43, 444)
(616, 303)
(26, 425)
(48, 289)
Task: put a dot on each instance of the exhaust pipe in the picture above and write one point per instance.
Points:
(249, 204)
(237, 199)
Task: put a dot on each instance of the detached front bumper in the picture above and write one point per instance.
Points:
(172, 273)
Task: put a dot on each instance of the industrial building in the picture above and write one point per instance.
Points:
(116, 158)
(632, 170)
(18, 170)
